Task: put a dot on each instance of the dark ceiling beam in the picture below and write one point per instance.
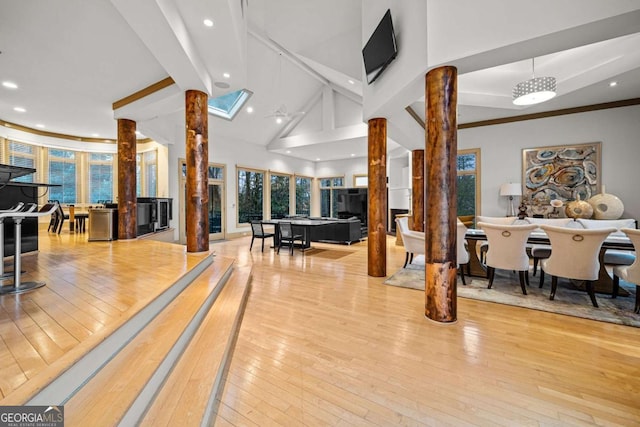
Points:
(534, 116)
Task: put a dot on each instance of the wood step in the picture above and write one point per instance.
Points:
(190, 393)
(58, 381)
(138, 369)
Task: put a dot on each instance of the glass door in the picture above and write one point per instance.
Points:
(215, 211)
(216, 193)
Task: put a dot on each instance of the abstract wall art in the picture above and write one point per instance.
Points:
(567, 172)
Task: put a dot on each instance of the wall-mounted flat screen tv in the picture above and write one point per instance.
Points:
(381, 48)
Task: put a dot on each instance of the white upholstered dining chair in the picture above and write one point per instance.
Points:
(462, 254)
(507, 250)
(574, 255)
(629, 273)
(413, 240)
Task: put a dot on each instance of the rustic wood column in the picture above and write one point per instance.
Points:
(417, 190)
(127, 201)
(197, 157)
(440, 188)
(377, 218)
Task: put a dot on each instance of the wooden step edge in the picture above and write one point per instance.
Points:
(149, 356)
(54, 384)
(189, 393)
(211, 408)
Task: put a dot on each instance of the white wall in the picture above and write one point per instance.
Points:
(618, 130)
(346, 168)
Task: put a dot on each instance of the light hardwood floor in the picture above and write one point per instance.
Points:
(321, 343)
(91, 289)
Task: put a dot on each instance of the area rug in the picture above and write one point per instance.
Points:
(506, 289)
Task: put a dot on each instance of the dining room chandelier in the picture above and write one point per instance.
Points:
(534, 90)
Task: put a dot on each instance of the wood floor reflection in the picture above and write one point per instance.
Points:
(322, 343)
(91, 289)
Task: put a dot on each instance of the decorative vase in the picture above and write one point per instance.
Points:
(578, 209)
(606, 206)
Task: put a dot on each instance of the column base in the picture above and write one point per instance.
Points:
(24, 287)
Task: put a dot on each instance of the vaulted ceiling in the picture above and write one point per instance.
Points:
(72, 59)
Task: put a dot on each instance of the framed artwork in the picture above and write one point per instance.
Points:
(565, 172)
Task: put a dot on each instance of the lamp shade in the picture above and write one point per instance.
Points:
(511, 189)
(534, 91)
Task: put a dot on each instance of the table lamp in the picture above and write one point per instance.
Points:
(510, 190)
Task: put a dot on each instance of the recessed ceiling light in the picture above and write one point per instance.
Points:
(19, 109)
(222, 85)
(10, 85)
(226, 75)
(249, 110)
(41, 126)
(351, 82)
(95, 135)
(317, 158)
(138, 133)
(279, 120)
(208, 22)
(353, 155)
(288, 151)
(612, 84)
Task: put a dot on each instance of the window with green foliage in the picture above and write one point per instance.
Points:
(468, 166)
(62, 171)
(328, 201)
(279, 196)
(82, 176)
(250, 195)
(303, 195)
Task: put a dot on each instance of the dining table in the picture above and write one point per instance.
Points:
(298, 225)
(604, 283)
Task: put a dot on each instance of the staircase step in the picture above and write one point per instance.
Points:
(189, 394)
(138, 368)
(60, 380)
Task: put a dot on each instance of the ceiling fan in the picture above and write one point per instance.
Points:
(281, 113)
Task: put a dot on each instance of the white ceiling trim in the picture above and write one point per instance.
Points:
(278, 48)
(291, 125)
(161, 28)
(334, 135)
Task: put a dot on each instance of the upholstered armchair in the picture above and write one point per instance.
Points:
(502, 220)
(507, 250)
(462, 253)
(629, 273)
(574, 255)
(413, 241)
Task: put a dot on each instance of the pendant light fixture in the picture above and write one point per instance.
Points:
(534, 90)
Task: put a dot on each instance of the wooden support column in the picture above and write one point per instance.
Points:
(377, 218)
(197, 157)
(127, 200)
(440, 189)
(417, 190)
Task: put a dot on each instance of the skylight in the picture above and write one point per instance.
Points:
(227, 106)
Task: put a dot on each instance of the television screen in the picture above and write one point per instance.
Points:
(352, 202)
(381, 48)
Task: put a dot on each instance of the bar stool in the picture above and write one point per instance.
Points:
(12, 209)
(19, 287)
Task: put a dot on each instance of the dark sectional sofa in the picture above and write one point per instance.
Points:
(339, 231)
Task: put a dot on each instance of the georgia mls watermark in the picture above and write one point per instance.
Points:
(31, 416)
